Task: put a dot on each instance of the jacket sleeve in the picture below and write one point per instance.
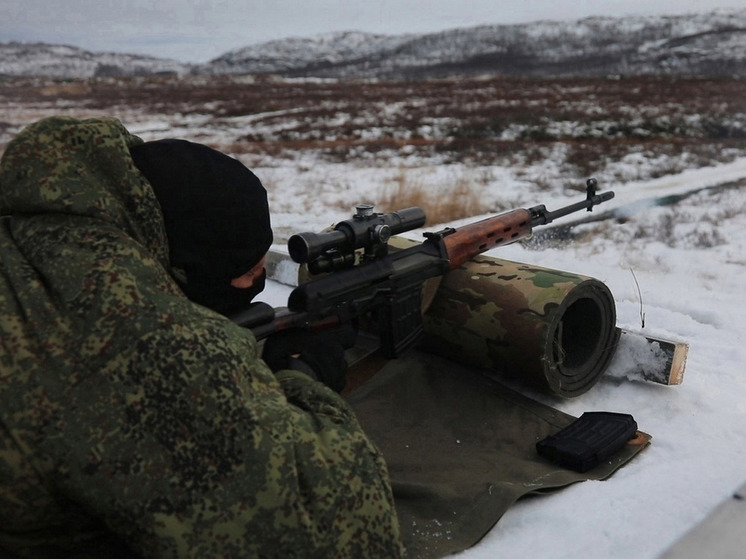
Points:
(188, 446)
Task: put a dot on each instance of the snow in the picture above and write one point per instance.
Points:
(688, 259)
(690, 289)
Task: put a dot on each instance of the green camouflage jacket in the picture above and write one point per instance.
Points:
(133, 419)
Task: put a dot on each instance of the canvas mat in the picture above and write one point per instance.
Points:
(460, 448)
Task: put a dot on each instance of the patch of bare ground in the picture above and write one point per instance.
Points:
(471, 119)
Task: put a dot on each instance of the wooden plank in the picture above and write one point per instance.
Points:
(670, 358)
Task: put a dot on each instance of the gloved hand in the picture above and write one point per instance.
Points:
(322, 351)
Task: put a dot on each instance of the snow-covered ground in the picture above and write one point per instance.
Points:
(691, 291)
(689, 260)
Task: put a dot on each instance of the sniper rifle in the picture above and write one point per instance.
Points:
(362, 278)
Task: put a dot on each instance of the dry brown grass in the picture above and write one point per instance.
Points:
(457, 199)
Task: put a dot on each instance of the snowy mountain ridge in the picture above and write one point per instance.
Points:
(706, 43)
(66, 61)
(712, 43)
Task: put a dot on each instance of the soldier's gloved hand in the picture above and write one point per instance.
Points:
(319, 354)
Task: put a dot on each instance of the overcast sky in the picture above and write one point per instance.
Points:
(199, 30)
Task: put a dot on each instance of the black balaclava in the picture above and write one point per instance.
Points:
(216, 216)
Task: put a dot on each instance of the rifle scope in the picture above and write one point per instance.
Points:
(366, 230)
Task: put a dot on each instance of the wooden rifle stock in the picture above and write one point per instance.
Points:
(473, 239)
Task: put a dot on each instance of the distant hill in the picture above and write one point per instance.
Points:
(65, 61)
(707, 44)
(711, 43)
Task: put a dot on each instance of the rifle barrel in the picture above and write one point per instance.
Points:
(540, 215)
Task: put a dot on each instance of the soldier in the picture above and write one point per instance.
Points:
(134, 422)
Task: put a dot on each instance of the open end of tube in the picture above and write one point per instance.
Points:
(577, 338)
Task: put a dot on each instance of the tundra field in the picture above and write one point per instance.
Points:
(443, 144)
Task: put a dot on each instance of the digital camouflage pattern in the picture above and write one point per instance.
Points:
(554, 329)
(134, 420)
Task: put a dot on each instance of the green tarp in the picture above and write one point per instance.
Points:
(460, 448)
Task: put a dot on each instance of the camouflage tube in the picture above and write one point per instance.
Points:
(553, 329)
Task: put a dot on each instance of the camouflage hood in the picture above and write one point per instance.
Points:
(84, 250)
(127, 411)
(64, 166)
